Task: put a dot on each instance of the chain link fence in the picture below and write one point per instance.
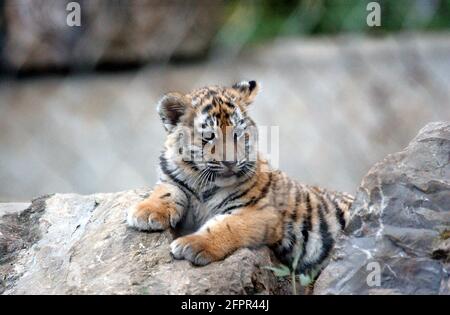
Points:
(77, 104)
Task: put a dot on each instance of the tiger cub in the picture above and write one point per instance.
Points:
(220, 205)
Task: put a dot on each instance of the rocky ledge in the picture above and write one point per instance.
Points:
(73, 244)
(397, 242)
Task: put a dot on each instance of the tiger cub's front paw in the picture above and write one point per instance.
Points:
(194, 248)
(147, 216)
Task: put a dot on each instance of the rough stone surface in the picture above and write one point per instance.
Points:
(38, 37)
(400, 220)
(73, 244)
(18, 231)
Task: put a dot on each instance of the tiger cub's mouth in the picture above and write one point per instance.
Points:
(227, 174)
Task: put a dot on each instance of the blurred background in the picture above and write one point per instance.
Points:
(77, 103)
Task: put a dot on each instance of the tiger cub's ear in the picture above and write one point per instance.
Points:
(247, 91)
(170, 108)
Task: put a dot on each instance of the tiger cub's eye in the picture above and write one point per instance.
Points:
(209, 137)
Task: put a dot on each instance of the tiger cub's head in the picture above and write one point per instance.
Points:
(210, 137)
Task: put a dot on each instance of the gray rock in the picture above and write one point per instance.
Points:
(38, 36)
(73, 244)
(400, 222)
(18, 231)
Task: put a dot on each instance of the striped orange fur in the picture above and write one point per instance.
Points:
(219, 206)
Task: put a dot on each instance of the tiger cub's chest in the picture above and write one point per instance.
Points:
(202, 209)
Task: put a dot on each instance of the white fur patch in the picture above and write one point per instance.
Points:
(314, 246)
(225, 182)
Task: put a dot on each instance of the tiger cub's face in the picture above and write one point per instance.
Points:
(210, 137)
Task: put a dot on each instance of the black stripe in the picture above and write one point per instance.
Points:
(240, 205)
(165, 196)
(327, 238)
(298, 196)
(192, 165)
(307, 225)
(209, 193)
(327, 245)
(297, 201)
(293, 216)
(339, 214)
(207, 108)
(324, 203)
(231, 106)
(253, 200)
(236, 194)
(265, 190)
(165, 170)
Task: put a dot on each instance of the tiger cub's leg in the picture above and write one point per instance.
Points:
(165, 206)
(224, 234)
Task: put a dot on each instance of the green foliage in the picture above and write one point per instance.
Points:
(281, 271)
(284, 271)
(305, 280)
(260, 20)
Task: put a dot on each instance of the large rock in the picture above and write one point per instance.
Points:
(38, 36)
(73, 244)
(400, 224)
